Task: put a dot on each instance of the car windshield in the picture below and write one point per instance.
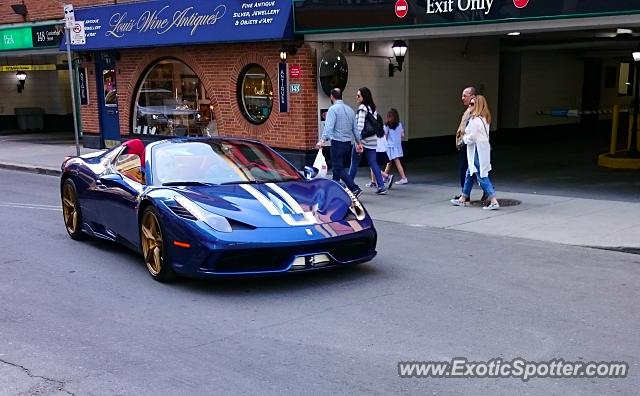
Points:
(218, 162)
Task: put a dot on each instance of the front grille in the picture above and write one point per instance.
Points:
(277, 259)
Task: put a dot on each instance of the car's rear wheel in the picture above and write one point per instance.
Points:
(71, 210)
(156, 257)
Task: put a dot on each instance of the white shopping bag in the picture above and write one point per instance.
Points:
(320, 164)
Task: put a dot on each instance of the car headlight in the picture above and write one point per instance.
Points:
(217, 222)
(154, 116)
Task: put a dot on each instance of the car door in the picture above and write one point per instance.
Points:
(120, 193)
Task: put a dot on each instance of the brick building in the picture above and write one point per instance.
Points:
(176, 68)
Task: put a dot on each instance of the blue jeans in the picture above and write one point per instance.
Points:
(485, 182)
(372, 160)
(339, 153)
(463, 164)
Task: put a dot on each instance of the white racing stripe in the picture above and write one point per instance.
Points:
(309, 218)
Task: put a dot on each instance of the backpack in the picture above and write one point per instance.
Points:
(373, 126)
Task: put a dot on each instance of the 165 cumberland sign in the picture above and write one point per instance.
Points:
(154, 23)
(341, 15)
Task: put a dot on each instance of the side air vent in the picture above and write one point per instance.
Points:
(179, 210)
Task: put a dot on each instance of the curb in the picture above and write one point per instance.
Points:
(40, 170)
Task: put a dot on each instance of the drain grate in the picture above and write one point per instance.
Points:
(504, 202)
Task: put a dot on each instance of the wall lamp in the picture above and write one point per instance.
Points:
(20, 9)
(287, 50)
(399, 48)
(21, 77)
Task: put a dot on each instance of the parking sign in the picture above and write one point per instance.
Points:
(78, 36)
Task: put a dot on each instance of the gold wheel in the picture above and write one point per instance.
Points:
(152, 247)
(70, 208)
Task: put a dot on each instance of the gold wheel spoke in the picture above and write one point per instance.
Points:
(148, 257)
(68, 202)
(157, 258)
(147, 233)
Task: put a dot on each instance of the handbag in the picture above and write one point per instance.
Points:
(320, 164)
(372, 126)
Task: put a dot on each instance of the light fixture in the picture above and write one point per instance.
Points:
(513, 34)
(20, 9)
(636, 56)
(399, 48)
(21, 77)
(287, 50)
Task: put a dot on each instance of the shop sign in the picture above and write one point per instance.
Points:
(15, 68)
(171, 22)
(14, 39)
(47, 36)
(30, 37)
(294, 71)
(295, 88)
(83, 86)
(283, 93)
(317, 17)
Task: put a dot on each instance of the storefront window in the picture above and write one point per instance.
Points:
(172, 101)
(255, 94)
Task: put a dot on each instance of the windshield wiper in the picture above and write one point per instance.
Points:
(243, 182)
(187, 183)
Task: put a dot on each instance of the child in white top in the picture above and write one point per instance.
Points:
(394, 133)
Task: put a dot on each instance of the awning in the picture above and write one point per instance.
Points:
(183, 22)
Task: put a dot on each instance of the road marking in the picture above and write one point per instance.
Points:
(30, 206)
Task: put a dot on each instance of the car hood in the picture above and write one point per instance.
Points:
(296, 203)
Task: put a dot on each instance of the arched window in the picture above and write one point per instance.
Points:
(255, 93)
(172, 101)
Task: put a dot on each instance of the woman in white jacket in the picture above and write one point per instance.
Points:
(476, 137)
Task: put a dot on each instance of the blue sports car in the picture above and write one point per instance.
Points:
(214, 207)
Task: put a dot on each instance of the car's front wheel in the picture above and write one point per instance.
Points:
(71, 210)
(156, 257)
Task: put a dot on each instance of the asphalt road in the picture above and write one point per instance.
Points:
(85, 318)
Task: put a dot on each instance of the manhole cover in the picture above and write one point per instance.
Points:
(504, 202)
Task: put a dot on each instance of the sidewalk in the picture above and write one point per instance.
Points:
(565, 219)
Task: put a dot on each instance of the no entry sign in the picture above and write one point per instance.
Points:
(520, 3)
(401, 8)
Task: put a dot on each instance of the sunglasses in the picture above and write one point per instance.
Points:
(472, 104)
(358, 96)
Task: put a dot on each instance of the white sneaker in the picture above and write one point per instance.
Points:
(371, 185)
(402, 181)
(389, 182)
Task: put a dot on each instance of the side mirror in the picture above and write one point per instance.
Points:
(310, 172)
(111, 176)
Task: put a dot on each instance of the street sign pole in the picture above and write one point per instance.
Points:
(73, 90)
(69, 22)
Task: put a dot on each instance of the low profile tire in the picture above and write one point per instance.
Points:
(71, 210)
(154, 251)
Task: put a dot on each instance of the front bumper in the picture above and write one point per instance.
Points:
(273, 251)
